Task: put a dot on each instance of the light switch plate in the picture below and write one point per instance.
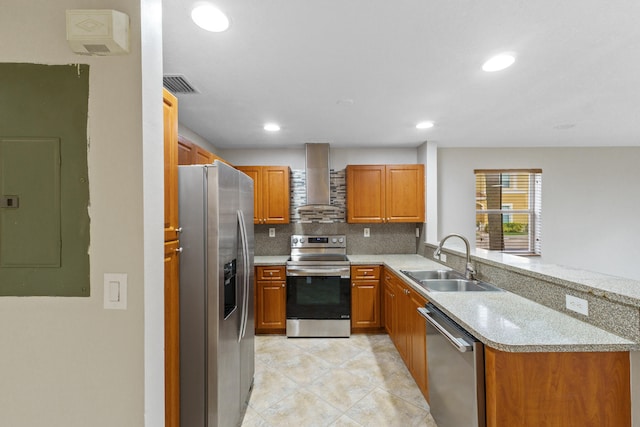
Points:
(115, 291)
(367, 232)
(272, 232)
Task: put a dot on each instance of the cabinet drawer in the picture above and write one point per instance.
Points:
(367, 272)
(271, 272)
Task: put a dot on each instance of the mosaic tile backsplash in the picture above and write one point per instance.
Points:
(338, 188)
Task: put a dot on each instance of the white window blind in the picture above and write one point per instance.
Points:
(509, 210)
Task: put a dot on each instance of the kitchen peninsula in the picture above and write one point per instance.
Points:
(536, 357)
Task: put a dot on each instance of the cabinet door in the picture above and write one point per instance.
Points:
(271, 301)
(170, 110)
(185, 152)
(404, 193)
(403, 329)
(275, 194)
(390, 309)
(172, 333)
(202, 156)
(418, 343)
(365, 304)
(254, 173)
(365, 193)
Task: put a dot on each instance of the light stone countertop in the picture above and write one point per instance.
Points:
(502, 320)
(270, 260)
(619, 289)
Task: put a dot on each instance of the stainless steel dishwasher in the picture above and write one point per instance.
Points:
(455, 362)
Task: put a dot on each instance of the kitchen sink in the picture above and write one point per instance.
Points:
(458, 285)
(433, 274)
(449, 281)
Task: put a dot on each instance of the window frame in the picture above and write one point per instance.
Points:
(533, 211)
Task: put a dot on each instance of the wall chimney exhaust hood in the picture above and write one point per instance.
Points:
(317, 178)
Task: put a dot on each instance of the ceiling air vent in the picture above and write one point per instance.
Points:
(177, 84)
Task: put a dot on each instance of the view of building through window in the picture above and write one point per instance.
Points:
(508, 210)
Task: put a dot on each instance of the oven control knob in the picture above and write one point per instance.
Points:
(302, 240)
(295, 240)
(341, 239)
(334, 240)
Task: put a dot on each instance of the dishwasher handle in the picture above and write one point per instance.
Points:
(459, 343)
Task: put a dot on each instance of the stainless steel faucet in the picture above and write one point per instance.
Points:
(470, 271)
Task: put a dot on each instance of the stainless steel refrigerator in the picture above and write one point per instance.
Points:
(216, 294)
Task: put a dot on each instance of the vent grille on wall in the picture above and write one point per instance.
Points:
(177, 84)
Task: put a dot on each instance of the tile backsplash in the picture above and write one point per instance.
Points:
(384, 238)
(338, 189)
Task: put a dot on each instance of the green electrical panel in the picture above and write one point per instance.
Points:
(44, 189)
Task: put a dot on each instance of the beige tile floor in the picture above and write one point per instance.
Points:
(356, 381)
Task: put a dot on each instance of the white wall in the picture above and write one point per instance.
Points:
(339, 157)
(67, 361)
(590, 201)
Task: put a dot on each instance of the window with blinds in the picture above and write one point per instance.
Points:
(508, 210)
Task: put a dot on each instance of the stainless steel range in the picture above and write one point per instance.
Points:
(318, 287)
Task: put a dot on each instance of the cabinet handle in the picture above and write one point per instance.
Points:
(353, 284)
(271, 273)
(283, 285)
(179, 230)
(179, 250)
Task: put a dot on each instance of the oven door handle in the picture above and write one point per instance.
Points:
(325, 272)
(459, 343)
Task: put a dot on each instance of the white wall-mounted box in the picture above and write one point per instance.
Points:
(101, 32)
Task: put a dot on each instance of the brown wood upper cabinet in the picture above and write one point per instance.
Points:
(192, 154)
(271, 193)
(170, 110)
(385, 193)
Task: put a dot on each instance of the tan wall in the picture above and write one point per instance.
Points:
(67, 361)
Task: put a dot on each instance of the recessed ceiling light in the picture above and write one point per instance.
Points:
(499, 62)
(210, 18)
(424, 125)
(272, 127)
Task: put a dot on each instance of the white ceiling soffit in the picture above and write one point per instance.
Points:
(363, 73)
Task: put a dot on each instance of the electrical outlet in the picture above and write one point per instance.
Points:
(442, 257)
(578, 305)
(417, 232)
(272, 232)
(367, 232)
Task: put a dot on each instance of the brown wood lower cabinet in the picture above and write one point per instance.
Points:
(270, 299)
(365, 298)
(172, 332)
(557, 389)
(407, 328)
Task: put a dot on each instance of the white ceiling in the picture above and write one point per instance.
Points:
(576, 80)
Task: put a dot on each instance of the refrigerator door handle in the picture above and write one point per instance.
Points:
(245, 279)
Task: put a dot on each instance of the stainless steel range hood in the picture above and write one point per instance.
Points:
(317, 177)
